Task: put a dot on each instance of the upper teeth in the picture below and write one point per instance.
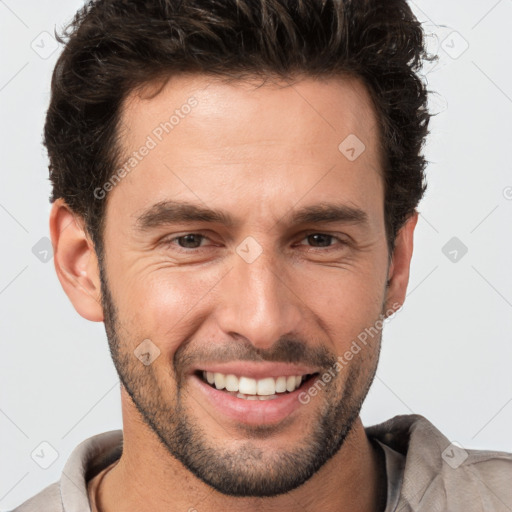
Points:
(248, 386)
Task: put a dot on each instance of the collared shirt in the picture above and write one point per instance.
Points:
(425, 472)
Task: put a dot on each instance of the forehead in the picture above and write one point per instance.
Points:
(251, 110)
(279, 141)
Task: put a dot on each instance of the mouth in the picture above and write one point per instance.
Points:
(249, 388)
(253, 393)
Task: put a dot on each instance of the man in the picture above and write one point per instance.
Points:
(234, 195)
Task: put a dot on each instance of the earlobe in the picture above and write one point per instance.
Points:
(398, 273)
(75, 261)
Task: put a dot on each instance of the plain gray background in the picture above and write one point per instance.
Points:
(446, 355)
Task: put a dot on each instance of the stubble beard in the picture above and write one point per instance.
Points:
(248, 470)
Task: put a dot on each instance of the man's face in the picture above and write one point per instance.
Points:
(270, 294)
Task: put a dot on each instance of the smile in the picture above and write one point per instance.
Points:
(248, 388)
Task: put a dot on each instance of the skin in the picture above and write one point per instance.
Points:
(257, 153)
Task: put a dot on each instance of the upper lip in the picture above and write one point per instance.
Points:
(257, 370)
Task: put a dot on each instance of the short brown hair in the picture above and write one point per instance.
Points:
(115, 46)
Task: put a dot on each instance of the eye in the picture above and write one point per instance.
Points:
(319, 240)
(188, 241)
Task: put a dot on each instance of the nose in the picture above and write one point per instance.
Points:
(258, 302)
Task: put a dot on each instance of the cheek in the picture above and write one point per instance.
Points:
(168, 305)
(347, 303)
(164, 305)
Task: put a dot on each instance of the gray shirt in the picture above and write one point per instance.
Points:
(425, 472)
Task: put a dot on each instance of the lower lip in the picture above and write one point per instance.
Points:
(249, 412)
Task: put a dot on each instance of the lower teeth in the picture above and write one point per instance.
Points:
(255, 397)
(251, 397)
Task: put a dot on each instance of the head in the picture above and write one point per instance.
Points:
(236, 184)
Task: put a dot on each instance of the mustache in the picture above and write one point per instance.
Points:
(287, 349)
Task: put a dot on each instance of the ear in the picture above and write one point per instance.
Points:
(75, 261)
(398, 272)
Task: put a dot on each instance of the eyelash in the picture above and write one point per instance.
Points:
(170, 242)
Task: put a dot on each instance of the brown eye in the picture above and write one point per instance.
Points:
(190, 241)
(320, 239)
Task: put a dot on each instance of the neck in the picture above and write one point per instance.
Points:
(147, 478)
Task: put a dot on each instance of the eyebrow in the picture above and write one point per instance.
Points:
(173, 212)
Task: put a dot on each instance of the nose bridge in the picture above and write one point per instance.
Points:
(257, 302)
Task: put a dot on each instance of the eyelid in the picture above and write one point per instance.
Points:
(168, 241)
(171, 240)
(342, 241)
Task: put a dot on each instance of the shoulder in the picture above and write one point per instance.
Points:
(464, 480)
(86, 460)
(47, 500)
(491, 470)
(441, 475)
